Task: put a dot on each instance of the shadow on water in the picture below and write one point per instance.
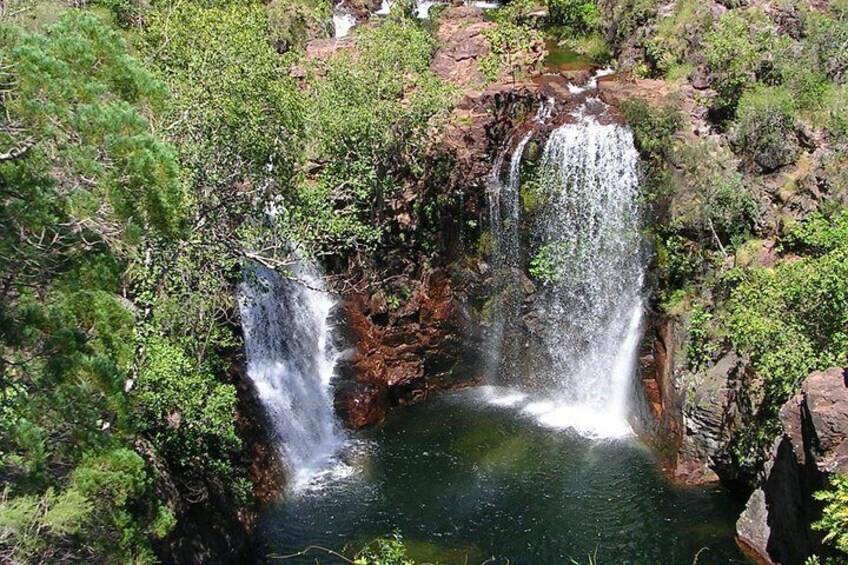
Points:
(464, 480)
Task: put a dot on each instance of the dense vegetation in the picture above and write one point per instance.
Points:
(751, 234)
(148, 150)
(146, 154)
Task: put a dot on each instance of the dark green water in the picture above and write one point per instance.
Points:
(463, 480)
(562, 59)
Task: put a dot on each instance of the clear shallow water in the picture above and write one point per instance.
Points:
(464, 480)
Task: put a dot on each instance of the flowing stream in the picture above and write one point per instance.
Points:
(290, 359)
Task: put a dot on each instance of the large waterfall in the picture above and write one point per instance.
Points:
(588, 257)
(290, 359)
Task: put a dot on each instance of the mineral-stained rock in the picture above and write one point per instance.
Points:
(430, 343)
(776, 523)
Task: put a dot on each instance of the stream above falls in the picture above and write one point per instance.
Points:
(465, 478)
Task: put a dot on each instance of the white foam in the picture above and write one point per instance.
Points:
(593, 82)
(422, 9)
(343, 22)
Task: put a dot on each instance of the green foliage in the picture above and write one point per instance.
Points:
(384, 551)
(510, 41)
(545, 266)
(371, 110)
(235, 110)
(678, 35)
(834, 521)
(188, 413)
(728, 210)
(293, 23)
(78, 93)
(701, 345)
(766, 129)
(737, 50)
(629, 15)
(91, 189)
(579, 17)
(791, 320)
(95, 507)
(653, 128)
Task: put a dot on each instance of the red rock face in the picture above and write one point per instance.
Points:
(403, 354)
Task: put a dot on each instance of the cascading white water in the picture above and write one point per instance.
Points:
(290, 359)
(590, 306)
(343, 21)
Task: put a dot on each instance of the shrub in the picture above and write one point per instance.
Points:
(293, 23)
(578, 17)
(766, 127)
(728, 210)
(188, 412)
(737, 52)
(834, 521)
(791, 320)
(677, 35)
(653, 128)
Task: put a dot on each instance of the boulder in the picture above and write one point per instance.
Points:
(777, 521)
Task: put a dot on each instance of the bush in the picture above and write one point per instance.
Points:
(293, 23)
(678, 35)
(653, 128)
(188, 412)
(728, 211)
(737, 51)
(791, 320)
(766, 127)
(578, 17)
(834, 521)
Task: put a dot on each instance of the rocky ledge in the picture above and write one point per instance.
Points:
(776, 523)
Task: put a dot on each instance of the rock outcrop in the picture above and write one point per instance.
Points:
(463, 44)
(403, 354)
(776, 523)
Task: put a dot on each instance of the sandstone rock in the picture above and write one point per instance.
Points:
(461, 45)
(776, 523)
(361, 404)
(326, 48)
(615, 91)
(427, 344)
(710, 416)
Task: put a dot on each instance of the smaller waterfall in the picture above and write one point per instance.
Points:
(343, 21)
(291, 359)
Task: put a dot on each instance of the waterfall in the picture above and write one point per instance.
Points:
(343, 21)
(290, 359)
(588, 255)
(592, 304)
(504, 218)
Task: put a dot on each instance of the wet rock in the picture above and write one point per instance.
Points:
(776, 523)
(361, 404)
(429, 343)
